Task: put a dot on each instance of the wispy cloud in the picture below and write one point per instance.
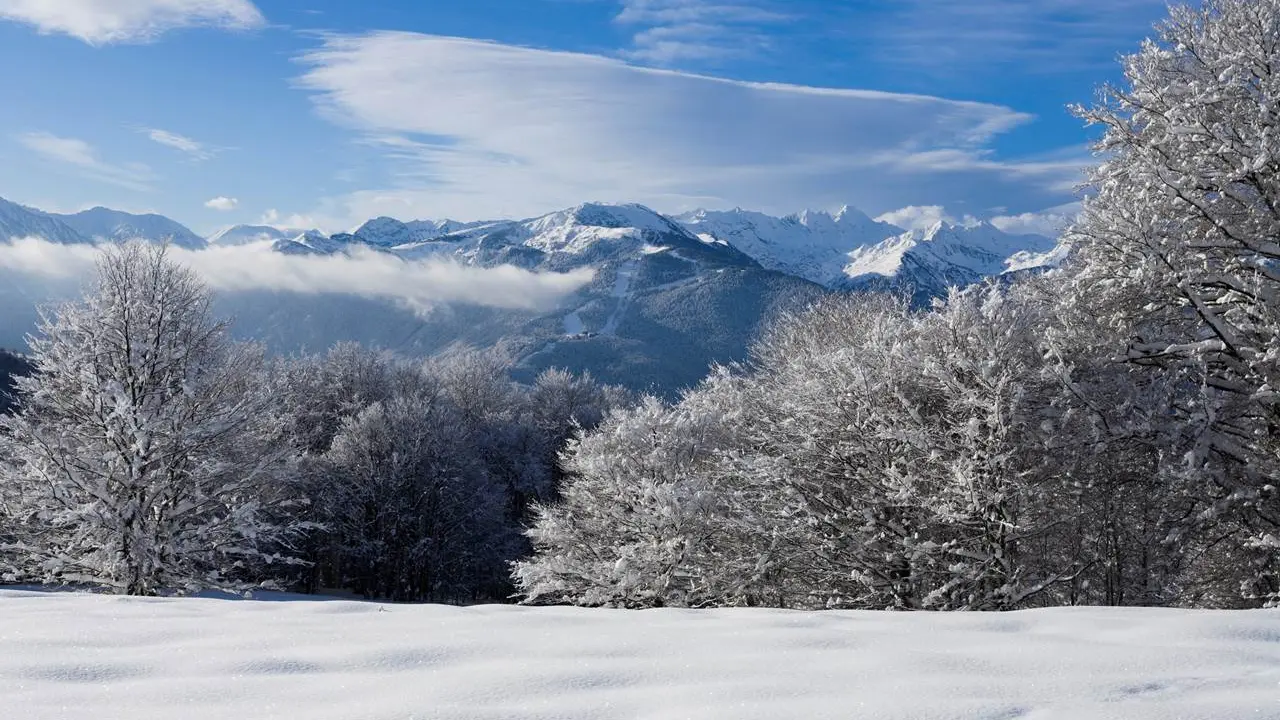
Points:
(222, 204)
(673, 31)
(82, 158)
(195, 150)
(946, 36)
(370, 274)
(101, 22)
(529, 131)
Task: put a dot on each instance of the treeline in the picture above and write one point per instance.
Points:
(983, 455)
(151, 454)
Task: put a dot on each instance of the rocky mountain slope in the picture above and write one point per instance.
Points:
(671, 295)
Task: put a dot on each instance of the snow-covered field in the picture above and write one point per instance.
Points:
(82, 656)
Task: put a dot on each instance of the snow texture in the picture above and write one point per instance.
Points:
(74, 655)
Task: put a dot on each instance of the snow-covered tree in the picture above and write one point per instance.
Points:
(412, 509)
(1177, 250)
(636, 518)
(872, 456)
(141, 460)
(911, 439)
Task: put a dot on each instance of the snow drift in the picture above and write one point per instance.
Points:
(68, 655)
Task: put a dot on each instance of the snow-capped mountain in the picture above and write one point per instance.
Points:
(17, 221)
(385, 232)
(312, 242)
(927, 262)
(849, 250)
(663, 306)
(670, 296)
(251, 234)
(585, 234)
(103, 225)
(814, 245)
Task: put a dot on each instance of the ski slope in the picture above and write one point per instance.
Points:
(85, 656)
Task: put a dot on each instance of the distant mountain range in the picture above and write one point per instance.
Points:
(671, 295)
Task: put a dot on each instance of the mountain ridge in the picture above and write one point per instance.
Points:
(671, 295)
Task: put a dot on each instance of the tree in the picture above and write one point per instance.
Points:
(412, 509)
(872, 456)
(140, 460)
(1177, 251)
(635, 516)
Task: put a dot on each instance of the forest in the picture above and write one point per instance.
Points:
(1105, 433)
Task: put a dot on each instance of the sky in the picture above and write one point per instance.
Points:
(325, 113)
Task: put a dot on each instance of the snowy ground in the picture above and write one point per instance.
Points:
(80, 656)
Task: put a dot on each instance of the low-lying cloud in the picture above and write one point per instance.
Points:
(420, 285)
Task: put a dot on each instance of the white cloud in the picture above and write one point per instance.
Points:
(82, 157)
(922, 217)
(367, 273)
(529, 131)
(222, 204)
(274, 218)
(182, 143)
(1049, 223)
(100, 22)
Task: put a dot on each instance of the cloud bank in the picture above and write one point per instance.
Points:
(479, 129)
(365, 273)
(101, 22)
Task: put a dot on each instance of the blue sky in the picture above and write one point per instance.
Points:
(328, 112)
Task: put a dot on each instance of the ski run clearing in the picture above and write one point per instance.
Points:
(86, 656)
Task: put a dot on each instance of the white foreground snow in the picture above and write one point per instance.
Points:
(83, 656)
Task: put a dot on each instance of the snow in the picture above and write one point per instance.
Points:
(811, 244)
(105, 225)
(976, 251)
(621, 291)
(251, 235)
(76, 655)
(17, 221)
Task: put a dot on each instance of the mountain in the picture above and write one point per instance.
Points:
(17, 221)
(927, 262)
(670, 295)
(663, 306)
(312, 242)
(385, 232)
(850, 251)
(103, 225)
(812, 244)
(249, 234)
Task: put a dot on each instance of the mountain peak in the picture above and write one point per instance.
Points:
(107, 225)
